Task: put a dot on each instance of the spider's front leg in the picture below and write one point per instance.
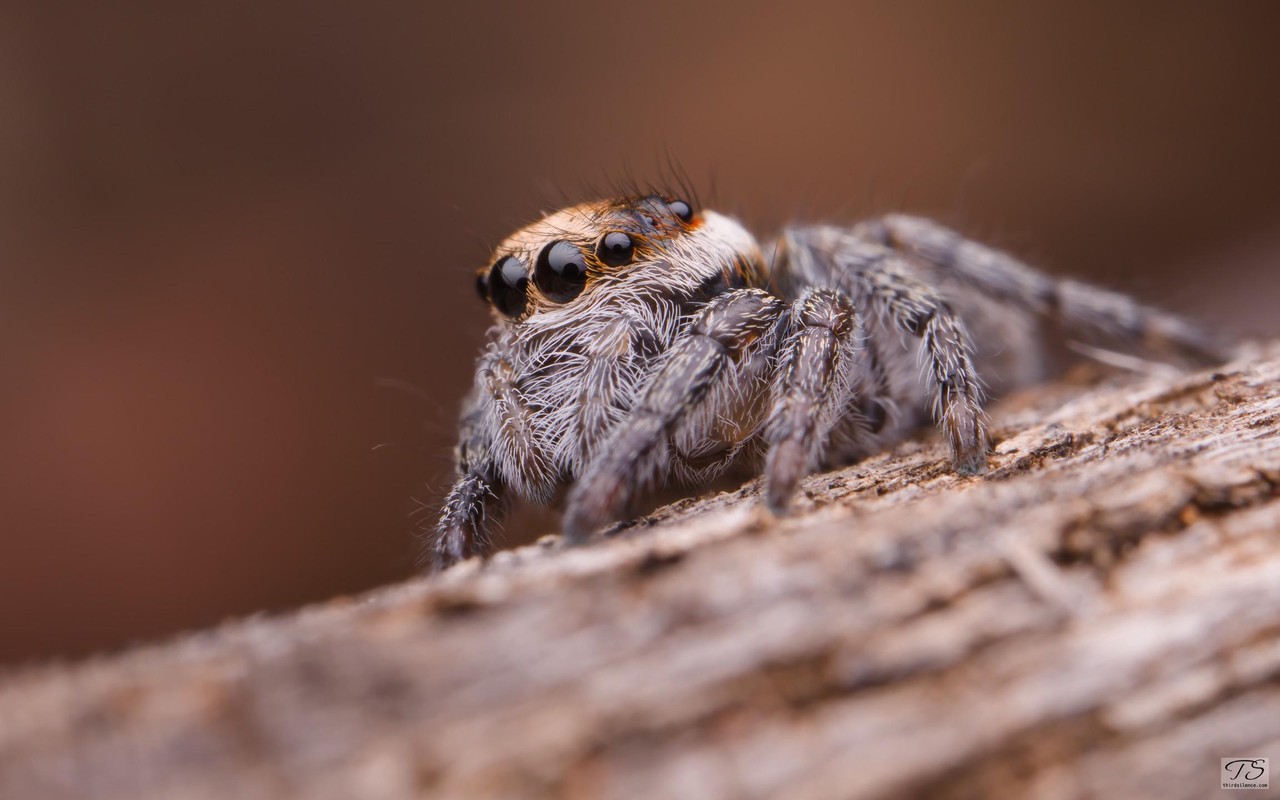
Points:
(460, 530)
(807, 393)
(498, 448)
(722, 330)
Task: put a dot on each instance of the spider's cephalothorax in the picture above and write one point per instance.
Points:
(642, 341)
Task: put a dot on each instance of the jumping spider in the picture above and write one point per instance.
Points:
(642, 340)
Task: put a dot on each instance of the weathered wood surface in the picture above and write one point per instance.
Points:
(1098, 617)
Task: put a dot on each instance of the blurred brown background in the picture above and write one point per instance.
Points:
(236, 242)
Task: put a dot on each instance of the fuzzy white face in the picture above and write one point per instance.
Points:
(576, 257)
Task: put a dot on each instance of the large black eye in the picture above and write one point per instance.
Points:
(482, 287)
(508, 284)
(615, 249)
(682, 210)
(561, 272)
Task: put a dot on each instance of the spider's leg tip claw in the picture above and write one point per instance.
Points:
(778, 500)
(451, 547)
(575, 529)
(785, 467)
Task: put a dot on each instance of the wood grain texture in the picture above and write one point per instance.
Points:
(1098, 617)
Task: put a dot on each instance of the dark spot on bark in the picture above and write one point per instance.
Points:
(656, 561)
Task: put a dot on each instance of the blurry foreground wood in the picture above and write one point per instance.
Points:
(1098, 617)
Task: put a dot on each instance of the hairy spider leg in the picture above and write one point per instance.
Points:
(720, 332)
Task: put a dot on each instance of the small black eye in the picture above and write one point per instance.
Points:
(615, 249)
(508, 285)
(682, 210)
(561, 272)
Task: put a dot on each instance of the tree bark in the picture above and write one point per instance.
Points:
(1099, 616)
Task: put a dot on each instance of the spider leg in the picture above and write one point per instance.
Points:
(808, 394)
(507, 427)
(498, 447)
(460, 531)
(877, 279)
(719, 333)
(1082, 308)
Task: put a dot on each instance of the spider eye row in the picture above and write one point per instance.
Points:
(560, 272)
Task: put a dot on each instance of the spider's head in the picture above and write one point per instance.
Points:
(650, 244)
